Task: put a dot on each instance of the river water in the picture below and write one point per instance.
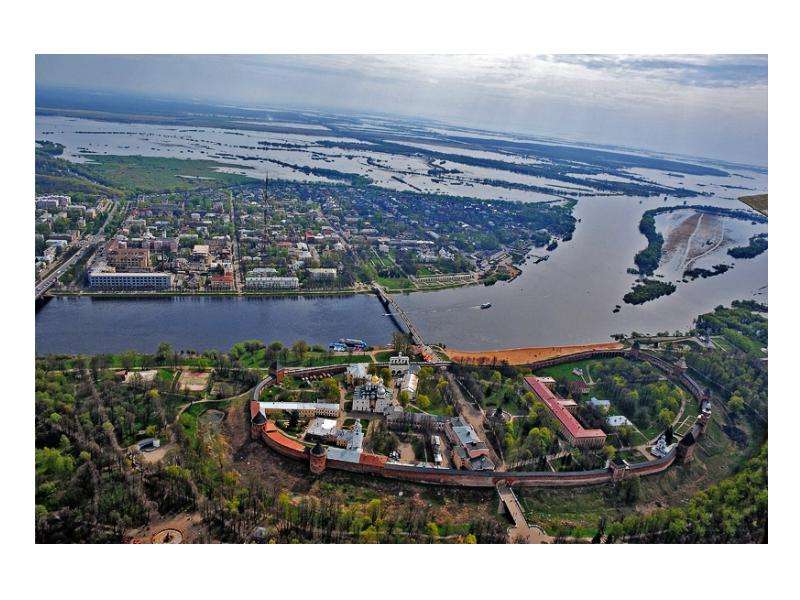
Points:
(89, 326)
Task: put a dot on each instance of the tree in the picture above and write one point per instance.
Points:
(294, 419)
(400, 342)
(432, 529)
(423, 402)
(609, 452)
(164, 352)
(299, 349)
(665, 417)
(329, 388)
(735, 403)
(539, 440)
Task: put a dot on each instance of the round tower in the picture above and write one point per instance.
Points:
(256, 425)
(318, 459)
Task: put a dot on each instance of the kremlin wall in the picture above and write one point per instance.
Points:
(319, 458)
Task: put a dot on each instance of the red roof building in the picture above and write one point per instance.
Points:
(569, 426)
(222, 282)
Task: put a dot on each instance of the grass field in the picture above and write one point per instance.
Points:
(154, 174)
(757, 202)
(563, 372)
(395, 283)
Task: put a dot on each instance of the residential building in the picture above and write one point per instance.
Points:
(119, 256)
(469, 451)
(322, 274)
(222, 282)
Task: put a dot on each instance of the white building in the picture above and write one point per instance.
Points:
(356, 374)
(603, 405)
(130, 281)
(272, 283)
(617, 421)
(373, 396)
(409, 384)
(399, 365)
(319, 409)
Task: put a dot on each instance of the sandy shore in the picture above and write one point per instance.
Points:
(522, 356)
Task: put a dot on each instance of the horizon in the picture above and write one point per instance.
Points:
(709, 106)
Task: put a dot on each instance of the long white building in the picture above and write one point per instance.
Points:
(130, 281)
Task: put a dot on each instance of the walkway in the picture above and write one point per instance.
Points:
(521, 532)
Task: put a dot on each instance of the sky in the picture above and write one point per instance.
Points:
(703, 105)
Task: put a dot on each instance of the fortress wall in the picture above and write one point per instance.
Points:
(484, 479)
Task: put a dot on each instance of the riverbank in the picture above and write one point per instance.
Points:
(523, 356)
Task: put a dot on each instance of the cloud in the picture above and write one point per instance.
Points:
(714, 105)
(727, 70)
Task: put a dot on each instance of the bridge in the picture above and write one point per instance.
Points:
(400, 316)
(521, 531)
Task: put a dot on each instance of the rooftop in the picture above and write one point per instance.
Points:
(571, 424)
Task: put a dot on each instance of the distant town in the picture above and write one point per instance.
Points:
(285, 238)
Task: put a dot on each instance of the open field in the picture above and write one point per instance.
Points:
(757, 202)
(154, 174)
(523, 356)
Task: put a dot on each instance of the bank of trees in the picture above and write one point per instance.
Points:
(648, 289)
(732, 511)
(755, 246)
(647, 260)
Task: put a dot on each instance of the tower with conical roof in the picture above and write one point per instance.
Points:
(318, 458)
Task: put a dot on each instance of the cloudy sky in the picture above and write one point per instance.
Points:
(710, 105)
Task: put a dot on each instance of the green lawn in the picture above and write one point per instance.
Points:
(563, 372)
(394, 283)
(154, 174)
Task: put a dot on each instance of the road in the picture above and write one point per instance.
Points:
(84, 245)
(238, 279)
